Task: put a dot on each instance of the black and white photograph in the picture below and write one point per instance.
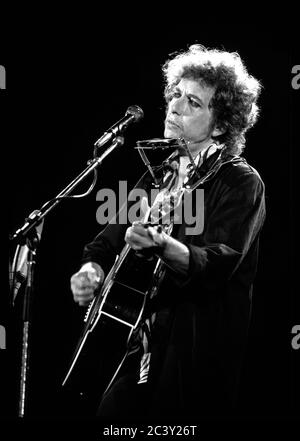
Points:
(150, 187)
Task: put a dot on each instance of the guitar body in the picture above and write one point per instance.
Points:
(110, 320)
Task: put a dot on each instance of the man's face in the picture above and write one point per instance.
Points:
(189, 115)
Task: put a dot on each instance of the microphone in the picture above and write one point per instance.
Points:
(133, 114)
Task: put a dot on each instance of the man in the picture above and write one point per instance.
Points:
(188, 351)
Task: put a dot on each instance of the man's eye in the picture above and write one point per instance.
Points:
(174, 95)
(194, 103)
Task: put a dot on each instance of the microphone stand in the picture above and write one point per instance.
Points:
(32, 243)
(28, 234)
(37, 215)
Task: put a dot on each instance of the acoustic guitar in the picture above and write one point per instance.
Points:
(111, 318)
(116, 312)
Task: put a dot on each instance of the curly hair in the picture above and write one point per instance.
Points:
(234, 103)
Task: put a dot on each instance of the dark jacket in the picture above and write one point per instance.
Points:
(202, 320)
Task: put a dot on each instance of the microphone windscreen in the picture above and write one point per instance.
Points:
(136, 111)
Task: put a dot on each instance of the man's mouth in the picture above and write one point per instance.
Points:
(172, 124)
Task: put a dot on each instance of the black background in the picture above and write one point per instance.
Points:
(67, 82)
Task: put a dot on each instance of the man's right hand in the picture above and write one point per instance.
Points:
(85, 282)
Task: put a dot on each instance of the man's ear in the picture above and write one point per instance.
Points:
(218, 131)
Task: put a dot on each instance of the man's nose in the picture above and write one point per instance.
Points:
(177, 105)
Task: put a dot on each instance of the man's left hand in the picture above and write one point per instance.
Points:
(140, 237)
